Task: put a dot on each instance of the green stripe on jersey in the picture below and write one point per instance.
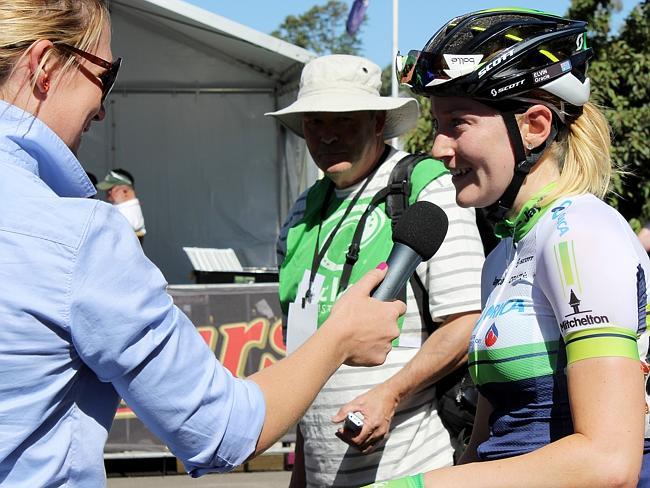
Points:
(513, 363)
(415, 481)
(565, 260)
(601, 342)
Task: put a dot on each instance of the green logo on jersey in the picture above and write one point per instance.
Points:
(334, 259)
(565, 260)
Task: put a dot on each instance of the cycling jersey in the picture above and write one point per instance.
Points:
(569, 283)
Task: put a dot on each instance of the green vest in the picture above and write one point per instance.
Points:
(376, 242)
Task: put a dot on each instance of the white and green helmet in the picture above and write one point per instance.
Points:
(500, 54)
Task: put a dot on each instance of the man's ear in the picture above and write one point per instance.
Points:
(536, 125)
(41, 66)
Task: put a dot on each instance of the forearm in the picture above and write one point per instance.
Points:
(574, 461)
(289, 386)
(443, 352)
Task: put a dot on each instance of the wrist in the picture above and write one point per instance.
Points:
(395, 389)
(336, 341)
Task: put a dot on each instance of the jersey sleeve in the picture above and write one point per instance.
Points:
(590, 273)
(453, 275)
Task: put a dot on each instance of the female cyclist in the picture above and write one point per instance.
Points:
(559, 351)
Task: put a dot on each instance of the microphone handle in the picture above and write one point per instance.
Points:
(402, 262)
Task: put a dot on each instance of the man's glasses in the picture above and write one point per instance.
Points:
(108, 77)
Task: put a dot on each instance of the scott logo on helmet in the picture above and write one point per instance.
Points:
(496, 62)
(496, 91)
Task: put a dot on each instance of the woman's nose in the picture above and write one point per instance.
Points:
(442, 147)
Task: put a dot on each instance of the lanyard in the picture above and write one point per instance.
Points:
(319, 255)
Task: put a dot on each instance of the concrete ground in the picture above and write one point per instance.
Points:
(265, 479)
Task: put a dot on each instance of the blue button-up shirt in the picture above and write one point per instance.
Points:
(85, 319)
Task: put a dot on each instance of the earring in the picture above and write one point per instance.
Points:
(529, 146)
(46, 84)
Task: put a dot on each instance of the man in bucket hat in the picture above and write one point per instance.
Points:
(345, 122)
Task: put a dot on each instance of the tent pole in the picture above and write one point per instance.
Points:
(395, 141)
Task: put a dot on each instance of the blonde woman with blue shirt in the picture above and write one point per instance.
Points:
(76, 331)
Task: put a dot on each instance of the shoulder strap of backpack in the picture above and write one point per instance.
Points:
(399, 186)
(396, 194)
(397, 201)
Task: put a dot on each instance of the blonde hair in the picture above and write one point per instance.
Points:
(75, 22)
(582, 152)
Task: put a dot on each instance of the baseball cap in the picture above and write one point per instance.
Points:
(115, 177)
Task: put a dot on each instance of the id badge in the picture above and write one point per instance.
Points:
(302, 320)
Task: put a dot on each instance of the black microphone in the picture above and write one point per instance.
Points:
(417, 236)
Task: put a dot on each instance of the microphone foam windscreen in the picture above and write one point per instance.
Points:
(422, 227)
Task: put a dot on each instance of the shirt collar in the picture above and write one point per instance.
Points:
(33, 146)
(527, 217)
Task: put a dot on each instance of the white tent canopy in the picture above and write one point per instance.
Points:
(186, 119)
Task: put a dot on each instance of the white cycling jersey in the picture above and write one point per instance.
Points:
(570, 283)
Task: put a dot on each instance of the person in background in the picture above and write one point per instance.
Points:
(561, 349)
(85, 317)
(345, 122)
(119, 185)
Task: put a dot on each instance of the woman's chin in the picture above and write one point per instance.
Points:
(466, 195)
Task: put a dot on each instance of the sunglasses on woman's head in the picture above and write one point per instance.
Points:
(108, 77)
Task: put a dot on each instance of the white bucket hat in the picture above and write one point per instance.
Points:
(343, 83)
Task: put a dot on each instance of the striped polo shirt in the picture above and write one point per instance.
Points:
(418, 442)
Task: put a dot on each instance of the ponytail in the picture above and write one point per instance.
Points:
(582, 150)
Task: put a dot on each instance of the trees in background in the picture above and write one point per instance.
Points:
(620, 74)
(321, 29)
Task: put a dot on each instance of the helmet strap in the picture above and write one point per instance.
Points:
(523, 164)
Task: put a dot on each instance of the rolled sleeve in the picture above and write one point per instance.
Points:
(125, 327)
(231, 454)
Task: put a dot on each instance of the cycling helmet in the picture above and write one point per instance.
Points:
(502, 57)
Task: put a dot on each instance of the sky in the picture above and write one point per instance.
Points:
(418, 19)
